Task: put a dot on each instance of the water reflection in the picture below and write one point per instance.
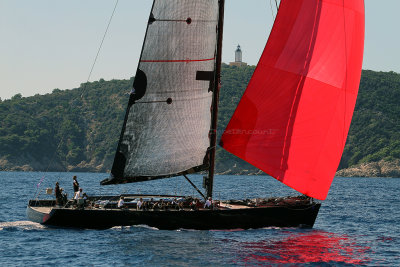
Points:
(314, 246)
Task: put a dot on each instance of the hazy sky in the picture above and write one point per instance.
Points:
(47, 44)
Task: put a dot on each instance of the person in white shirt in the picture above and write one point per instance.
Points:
(121, 202)
(78, 199)
(78, 194)
(208, 204)
(139, 204)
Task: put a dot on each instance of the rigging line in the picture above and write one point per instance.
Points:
(38, 190)
(98, 51)
(42, 180)
(194, 186)
(272, 10)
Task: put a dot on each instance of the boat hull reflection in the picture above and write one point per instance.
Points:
(307, 247)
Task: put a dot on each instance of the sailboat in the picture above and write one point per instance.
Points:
(292, 121)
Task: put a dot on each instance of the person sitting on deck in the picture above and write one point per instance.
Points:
(193, 204)
(155, 205)
(161, 205)
(180, 205)
(208, 204)
(121, 203)
(174, 204)
(85, 198)
(64, 196)
(139, 204)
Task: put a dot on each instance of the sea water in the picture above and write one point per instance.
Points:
(358, 224)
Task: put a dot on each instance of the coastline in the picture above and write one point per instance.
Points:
(382, 168)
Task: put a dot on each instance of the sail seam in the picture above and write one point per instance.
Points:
(176, 60)
(344, 134)
(298, 91)
(184, 20)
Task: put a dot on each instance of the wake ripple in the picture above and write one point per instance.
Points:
(20, 225)
(135, 226)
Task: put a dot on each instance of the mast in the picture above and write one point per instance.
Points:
(214, 115)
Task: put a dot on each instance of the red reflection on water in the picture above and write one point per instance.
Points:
(312, 247)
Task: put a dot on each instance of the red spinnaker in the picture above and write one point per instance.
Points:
(293, 119)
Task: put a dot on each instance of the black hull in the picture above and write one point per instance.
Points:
(256, 217)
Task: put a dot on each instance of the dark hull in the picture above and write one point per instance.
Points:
(256, 217)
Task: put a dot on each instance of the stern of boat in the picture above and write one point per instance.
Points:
(39, 210)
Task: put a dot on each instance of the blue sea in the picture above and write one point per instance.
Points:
(358, 224)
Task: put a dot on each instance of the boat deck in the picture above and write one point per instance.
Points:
(45, 206)
(48, 209)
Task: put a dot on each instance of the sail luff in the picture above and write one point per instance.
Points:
(294, 116)
(117, 167)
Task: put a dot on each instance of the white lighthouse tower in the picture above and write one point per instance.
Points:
(238, 58)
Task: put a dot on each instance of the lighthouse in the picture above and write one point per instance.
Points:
(238, 54)
(238, 58)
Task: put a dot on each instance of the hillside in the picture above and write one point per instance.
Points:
(78, 129)
(375, 130)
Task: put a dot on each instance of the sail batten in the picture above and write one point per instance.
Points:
(293, 119)
(168, 118)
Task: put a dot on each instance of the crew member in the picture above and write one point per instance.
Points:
(121, 202)
(78, 194)
(208, 204)
(139, 204)
(75, 184)
(57, 192)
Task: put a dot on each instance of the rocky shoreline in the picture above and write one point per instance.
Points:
(370, 169)
(373, 169)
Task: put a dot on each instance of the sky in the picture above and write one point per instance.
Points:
(47, 44)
